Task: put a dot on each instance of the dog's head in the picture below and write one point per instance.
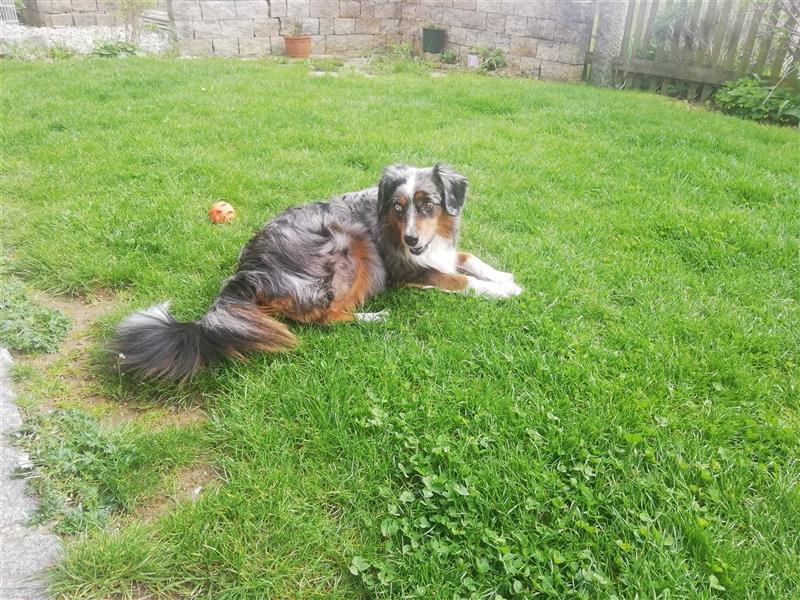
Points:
(419, 204)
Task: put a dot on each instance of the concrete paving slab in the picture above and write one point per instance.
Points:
(24, 551)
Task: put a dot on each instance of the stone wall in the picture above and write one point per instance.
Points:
(254, 27)
(547, 39)
(542, 38)
(75, 13)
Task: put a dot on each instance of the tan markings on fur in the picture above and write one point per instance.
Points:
(420, 196)
(359, 288)
(446, 227)
(427, 227)
(340, 309)
(279, 336)
(396, 226)
(452, 282)
(463, 257)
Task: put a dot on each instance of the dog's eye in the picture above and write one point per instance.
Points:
(398, 207)
(428, 206)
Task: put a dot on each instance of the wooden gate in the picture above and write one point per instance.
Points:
(688, 48)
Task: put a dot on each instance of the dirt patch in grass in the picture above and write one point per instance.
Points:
(69, 379)
(188, 486)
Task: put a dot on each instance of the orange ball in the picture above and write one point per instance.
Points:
(221, 212)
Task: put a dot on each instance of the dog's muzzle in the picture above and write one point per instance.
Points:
(419, 249)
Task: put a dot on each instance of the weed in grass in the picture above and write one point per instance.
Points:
(83, 474)
(115, 49)
(326, 65)
(24, 325)
(400, 59)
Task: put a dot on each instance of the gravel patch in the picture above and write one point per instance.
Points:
(24, 41)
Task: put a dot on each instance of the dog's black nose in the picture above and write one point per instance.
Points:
(410, 240)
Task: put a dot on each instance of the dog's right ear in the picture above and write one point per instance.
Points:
(392, 178)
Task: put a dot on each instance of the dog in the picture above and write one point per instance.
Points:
(318, 263)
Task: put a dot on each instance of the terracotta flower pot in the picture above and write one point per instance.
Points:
(298, 46)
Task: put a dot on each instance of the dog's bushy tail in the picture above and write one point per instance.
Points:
(151, 343)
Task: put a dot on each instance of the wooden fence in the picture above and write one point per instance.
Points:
(688, 48)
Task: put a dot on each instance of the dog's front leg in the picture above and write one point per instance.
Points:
(472, 265)
(467, 284)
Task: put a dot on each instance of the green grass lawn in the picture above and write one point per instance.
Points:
(628, 427)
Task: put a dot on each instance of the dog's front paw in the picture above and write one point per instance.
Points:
(502, 277)
(372, 317)
(493, 289)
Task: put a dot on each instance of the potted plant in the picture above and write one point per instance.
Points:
(298, 44)
(433, 38)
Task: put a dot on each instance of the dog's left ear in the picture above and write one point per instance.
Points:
(452, 187)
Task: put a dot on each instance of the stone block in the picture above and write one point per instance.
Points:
(326, 25)
(523, 46)
(252, 9)
(206, 30)
(336, 44)
(111, 20)
(496, 22)
(84, 5)
(571, 54)
(516, 25)
(368, 25)
(184, 30)
(297, 9)
(547, 50)
(575, 11)
(226, 47)
(254, 46)
(60, 6)
(318, 45)
(217, 9)
(342, 26)
(277, 8)
(489, 5)
(367, 8)
(557, 71)
(465, 4)
(379, 44)
(429, 13)
(43, 6)
(277, 45)
(186, 10)
(529, 66)
(309, 25)
(465, 18)
(464, 37)
(392, 39)
(81, 20)
(387, 10)
(544, 29)
(573, 33)
(349, 8)
(323, 8)
(540, 9)
(236, 28)
(359, 43)
(390, 25)
(61, 20)
(196, 48)
(266, 27)
(408, 11)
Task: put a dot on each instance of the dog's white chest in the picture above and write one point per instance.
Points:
(440, 255)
